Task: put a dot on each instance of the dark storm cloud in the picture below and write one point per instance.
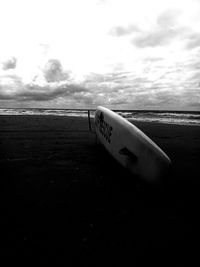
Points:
(53, 71)
(4, 96)
(46, 93)
(12, 87)
(119, 31)
(9, 63)
(117, 89)
(57, 84)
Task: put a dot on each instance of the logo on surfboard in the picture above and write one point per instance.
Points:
(104, 128)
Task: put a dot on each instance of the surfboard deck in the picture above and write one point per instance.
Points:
(130, 146)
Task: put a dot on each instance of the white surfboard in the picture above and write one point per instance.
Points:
(130, 146)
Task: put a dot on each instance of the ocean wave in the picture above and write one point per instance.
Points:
(172, 117)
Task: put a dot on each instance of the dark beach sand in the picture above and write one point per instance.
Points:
(65, 201)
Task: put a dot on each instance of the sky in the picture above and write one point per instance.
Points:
(122, 54)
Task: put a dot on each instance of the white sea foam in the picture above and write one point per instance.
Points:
(183, 118)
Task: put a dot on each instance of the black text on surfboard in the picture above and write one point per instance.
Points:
(104, 128)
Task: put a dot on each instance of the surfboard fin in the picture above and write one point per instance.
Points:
(126, 152)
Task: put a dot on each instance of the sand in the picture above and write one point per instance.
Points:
(64, 200)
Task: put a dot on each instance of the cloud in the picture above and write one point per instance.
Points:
(10, 85)
(122, 90)
(51, 83)
(153, 59)
(119, 31)
(45, 93)
(53, 71)
(193, 41)
(156, 85)
(158, 37)
(167, 87)
(13, 87)
(33, 92)
(168, 19)
(164, 32)
(105, 78)
(9, 63)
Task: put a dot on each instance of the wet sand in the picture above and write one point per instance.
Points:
(65, 201)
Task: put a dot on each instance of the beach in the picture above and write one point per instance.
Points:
(65, 200)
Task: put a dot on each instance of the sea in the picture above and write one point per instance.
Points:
(159, 116)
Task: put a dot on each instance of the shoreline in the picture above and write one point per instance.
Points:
(83, 113)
